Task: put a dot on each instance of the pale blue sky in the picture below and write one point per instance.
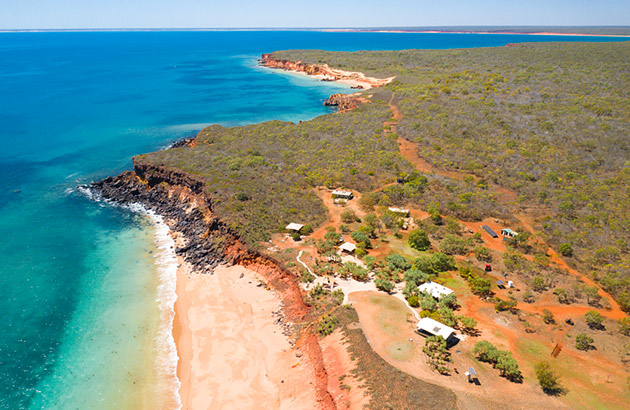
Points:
(18, 14)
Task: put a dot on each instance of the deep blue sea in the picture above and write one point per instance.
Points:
(82, 283)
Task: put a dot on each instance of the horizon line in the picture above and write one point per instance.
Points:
(407, 28)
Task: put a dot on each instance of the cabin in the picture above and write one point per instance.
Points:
(508, 232)
(338, 194)
(399, 211)
(490, 231)
(434, 289)
(294, 227)
(347, 247)
(429, 327)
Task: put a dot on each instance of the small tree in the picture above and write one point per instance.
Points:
(449, 301)
(437, 353)
(594, 319)
(348, 216)
(486, 352)
(482, 254)
(480, 286)
(566, 249)
(547, 379)
(419, 240)
(539, 284)
(413, 301)
(624, 326)
(583, 342)
(508, 367)
(529, 297)
(384, 285)
(548, 317)
(307, 229)
(468, 324)
(296, 236)
(563, 296)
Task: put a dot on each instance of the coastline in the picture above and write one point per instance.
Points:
(532, 33)
(225, 326)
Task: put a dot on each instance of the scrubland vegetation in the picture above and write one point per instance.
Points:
(549, 121)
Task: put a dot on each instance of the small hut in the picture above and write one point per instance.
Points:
(399, 211)
(347, 247)
(434, 289)
(294, 227)
(508, 232)
(430, 327)
(339, 194)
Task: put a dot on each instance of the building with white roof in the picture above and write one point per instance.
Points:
(434, 289)
(294, 227)
(347, 247)
(401, 211)
(342, 194)
(430, 327)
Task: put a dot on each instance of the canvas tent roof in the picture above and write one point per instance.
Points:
(348, 247)
(434, 289)
(435, 328)
(294, 227)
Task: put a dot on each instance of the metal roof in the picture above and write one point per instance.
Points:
(490, 231)
(435, 328)
(348, 247)
(294, 227)
(434, 289)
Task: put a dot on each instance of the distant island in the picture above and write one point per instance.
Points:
(474, 198)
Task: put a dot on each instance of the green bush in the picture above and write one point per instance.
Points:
(327, 325)
(566, 249)
(547, 378)
(384, 285)
(594, 319)
(419, 240)
(413, 301)
(583, 342)
(624, 326)
(548, 317)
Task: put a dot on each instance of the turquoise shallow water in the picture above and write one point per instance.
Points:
(80, 286)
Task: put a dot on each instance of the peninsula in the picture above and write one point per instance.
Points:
(485, 190)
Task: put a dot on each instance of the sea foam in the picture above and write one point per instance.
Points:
(166, 264)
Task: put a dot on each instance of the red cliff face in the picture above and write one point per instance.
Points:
(186, 208)
(311, 69)
(359, 80)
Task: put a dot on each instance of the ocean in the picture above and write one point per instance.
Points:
(87, 287)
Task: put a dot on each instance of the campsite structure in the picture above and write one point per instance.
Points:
(429, 327)
(508, 232)
(434, 289)
(294, 227)
(339, 194)
(347, 247)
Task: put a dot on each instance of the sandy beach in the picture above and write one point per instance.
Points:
(232, 352)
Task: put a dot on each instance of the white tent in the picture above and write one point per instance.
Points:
(434, 289)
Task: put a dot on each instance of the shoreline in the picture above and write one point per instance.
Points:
(507, 32)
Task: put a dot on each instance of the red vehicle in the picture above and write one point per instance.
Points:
(488, 268)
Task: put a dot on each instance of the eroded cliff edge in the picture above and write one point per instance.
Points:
(208, 242)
